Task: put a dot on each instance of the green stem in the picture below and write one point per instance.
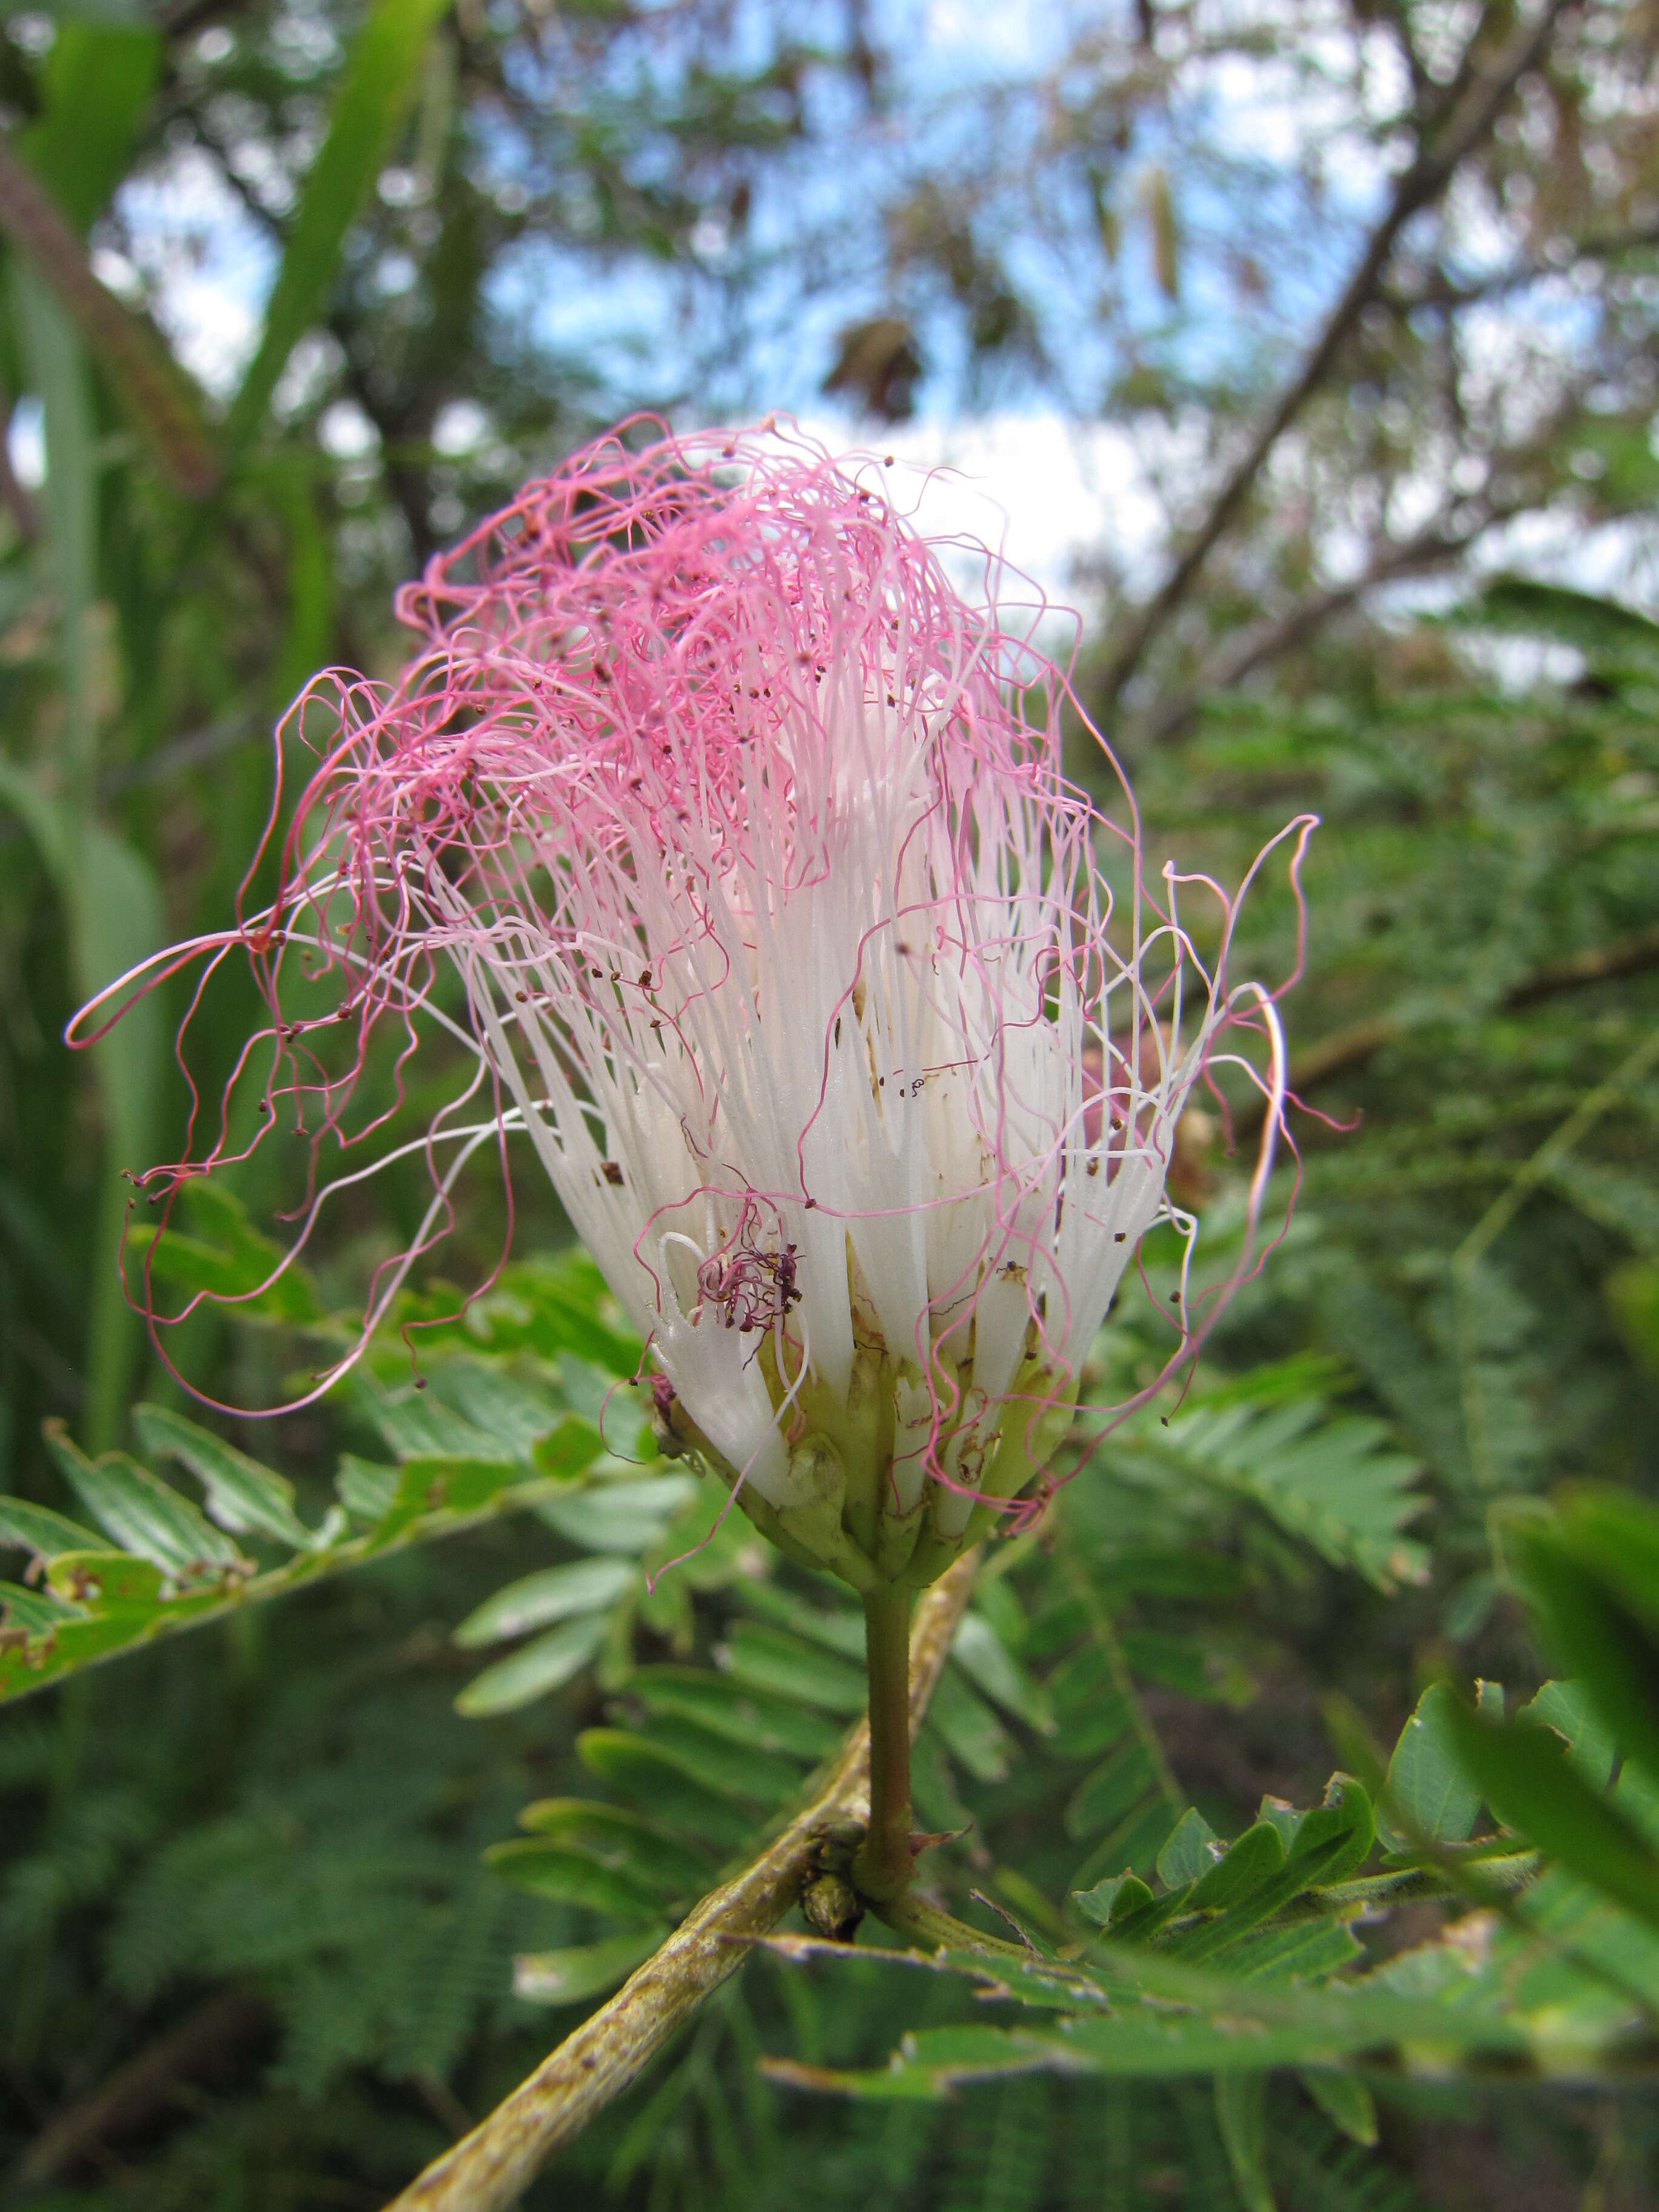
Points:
(926, 1924)
(882, 1867)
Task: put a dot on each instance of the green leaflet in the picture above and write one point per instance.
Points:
(1111, 1791)
(1345, 2100)
(242, 1495)
(589, 1970)
(140, 1513)
(1332, 1479)
(1593, 1572)
(735, 1711)
(188, 1267)
(33, 1612)
(177, 1566)
(1256, 1855)
(663, 1786)
(38, 1530)
(838, 1628)
(616, 1836)
(374, 96)
(1524, 1774)
(1241, 2107)
(986, 1660)
(1116, 1897)
(546, 1663)
(366, 1491)
(1193, 1850)
(970, 1728)
(778, 1664)
(619, 1516)
(1428, 1789)
(554, 1309)
(571, 1877)
(98, 80)
(734, 1768)
(552, 1593)
(1565, 1707)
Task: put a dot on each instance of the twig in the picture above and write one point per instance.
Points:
(489, 2168)
(1527, 1178)
(1472, 117)
(135, 2093)
(1346, 1050)
(1250, 649)
(1599, 965)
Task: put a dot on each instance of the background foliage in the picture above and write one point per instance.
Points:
(1371, 293)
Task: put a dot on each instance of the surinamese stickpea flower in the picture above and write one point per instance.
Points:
(787, 947)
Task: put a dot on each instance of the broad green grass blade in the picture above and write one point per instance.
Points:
(381, 74)
(109, 891)
(98, 81)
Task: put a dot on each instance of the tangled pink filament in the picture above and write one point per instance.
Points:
(781, 937)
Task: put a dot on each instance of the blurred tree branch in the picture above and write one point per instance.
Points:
(1472, 108)
(1439, 291)
(488, 2169)
(220, 2028)
(1442, 541)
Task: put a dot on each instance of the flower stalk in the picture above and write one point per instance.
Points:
(884, 1864)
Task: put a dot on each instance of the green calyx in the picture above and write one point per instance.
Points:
(847, 1514)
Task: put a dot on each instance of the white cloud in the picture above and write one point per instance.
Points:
(1044, 492)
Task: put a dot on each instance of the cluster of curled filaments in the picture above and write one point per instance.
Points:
(782, 941)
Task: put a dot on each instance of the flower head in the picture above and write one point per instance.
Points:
(788, 947)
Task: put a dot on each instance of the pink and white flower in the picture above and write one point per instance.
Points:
(791, 952)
